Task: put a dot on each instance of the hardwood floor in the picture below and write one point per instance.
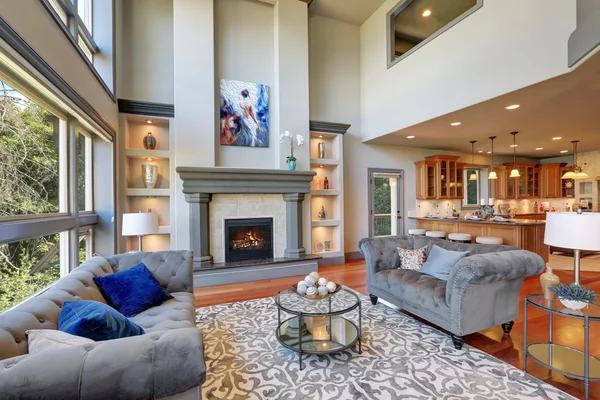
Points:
(492, 341)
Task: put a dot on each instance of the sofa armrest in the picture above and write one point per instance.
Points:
(382, 253)
(492, 267)
(153, 365)
(173, 269)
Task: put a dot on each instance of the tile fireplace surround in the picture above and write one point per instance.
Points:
(199, 186)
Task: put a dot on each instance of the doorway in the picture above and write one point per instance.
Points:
(386, 202)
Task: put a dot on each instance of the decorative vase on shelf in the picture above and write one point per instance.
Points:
(149, 142)
(149, 175)
(292, 165)
(321, 149)
(328, 245)
(322, 214)
(548, 280)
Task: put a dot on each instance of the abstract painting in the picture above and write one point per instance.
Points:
(244, 114)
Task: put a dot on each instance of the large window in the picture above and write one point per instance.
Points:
(412, 23)
(76, 15)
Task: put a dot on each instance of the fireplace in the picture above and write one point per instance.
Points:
(248, 239)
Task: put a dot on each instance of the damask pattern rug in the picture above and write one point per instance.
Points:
(402, 359)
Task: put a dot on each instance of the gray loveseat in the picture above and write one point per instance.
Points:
(165, 363)
(482, 291)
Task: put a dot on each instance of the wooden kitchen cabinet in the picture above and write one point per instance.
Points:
(526, 186)
(439, 177)
(426, 179)
(550, 182)
(499, 186)
(567, 186)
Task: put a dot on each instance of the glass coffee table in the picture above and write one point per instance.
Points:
(563, 359)
(318, 326)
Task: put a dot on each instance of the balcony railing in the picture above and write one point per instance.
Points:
(383, 224)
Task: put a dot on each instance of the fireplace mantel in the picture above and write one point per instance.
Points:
(200, 183)
(220, 180)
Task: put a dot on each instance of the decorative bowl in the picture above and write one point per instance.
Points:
(573, 304)
(316, 296)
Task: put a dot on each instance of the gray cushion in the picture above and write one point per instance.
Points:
(440, 262)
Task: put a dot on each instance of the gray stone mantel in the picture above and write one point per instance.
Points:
(200, 183)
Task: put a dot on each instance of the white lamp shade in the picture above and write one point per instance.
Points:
(515, 173)
(139, 224)
(493, 175)
(573, 231)
(568, 175)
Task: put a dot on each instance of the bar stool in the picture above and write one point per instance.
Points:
(436, 234)
(488, 240)
(459, 237)
(417, 232)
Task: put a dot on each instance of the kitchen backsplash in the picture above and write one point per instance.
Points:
(524, 206)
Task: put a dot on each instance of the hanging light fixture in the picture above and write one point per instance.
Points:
(473, 176)
(515, 172)
(492, 174)
(577, 172)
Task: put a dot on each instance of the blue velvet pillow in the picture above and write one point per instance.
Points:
(132, 291)
(440, 262)
(95, 320)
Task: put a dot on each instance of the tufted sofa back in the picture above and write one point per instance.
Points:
(172, 269)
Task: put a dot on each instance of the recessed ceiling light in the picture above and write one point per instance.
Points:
(149, 159)
(489, 152)
(513, 106)
(514, 145)
(557, 138)
(320, 136)
(410, 137)
(564, 151)
(539, 148)
(480, 151)
(456, 123)
(149, 121)
(321, 166)
(426, 13)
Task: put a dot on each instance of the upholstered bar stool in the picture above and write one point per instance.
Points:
(436, 234)
(488, 240)
(417, 232)
(459, 237)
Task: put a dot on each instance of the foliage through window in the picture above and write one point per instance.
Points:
(29, 156)
(382, 206)
(472, 192)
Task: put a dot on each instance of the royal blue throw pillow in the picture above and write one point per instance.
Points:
(440, 262)
(133, 290)
(95, 320)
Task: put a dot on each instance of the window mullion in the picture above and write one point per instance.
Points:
(73, 204)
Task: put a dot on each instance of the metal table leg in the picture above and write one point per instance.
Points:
(300, 324)
(525, 338)
(359, 327)
(586, 354)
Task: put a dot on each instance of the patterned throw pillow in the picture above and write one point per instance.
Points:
(412, 259)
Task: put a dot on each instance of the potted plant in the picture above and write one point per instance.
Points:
(574, 296)
(299, 140)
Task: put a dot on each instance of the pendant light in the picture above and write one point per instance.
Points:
(515, 172)
(492, 174)
(473, 176)
(577, 172)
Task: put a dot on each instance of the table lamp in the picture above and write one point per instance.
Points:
(573, 230)
(139, 224)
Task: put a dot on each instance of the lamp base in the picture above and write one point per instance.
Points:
(576, 265)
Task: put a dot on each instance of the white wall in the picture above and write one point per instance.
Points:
(33, 22)
(146, 71)
(504, 46)
(244, 52)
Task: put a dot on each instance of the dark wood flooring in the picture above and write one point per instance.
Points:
(506, 348)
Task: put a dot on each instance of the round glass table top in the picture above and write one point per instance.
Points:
(592, 311)
(339, 303)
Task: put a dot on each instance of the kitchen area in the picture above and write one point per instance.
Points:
(509, 201)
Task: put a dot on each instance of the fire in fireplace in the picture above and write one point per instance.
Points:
(248, 239)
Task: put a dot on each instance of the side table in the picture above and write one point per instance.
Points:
(563, 359)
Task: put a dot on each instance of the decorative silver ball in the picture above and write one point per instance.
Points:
(322, 281)
(323, 290)
(301, 288)
(331, 286)
(311, 291)
(310, 280)
(315, 275)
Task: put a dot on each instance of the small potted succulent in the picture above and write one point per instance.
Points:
(574, 296)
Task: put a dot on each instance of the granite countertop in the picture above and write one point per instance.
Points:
(509, 222)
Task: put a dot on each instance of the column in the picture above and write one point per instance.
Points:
(199, 233)
(293, 228)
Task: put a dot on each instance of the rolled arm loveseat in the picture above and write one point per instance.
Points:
(167, 362)
(481, 292)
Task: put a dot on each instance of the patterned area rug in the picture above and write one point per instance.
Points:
(402, 359)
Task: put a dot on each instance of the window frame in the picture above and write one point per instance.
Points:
(465, 203)
(75, 29)
(391, 59)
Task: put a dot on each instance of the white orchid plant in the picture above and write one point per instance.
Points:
(298, 140)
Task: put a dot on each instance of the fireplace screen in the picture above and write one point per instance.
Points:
(248, 239)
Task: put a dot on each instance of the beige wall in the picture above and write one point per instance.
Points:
(146, 67)
(31, 20)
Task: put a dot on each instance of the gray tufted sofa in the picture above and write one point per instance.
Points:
(482, 291)
(165, 363)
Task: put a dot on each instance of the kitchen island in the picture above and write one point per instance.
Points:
(527, 234)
